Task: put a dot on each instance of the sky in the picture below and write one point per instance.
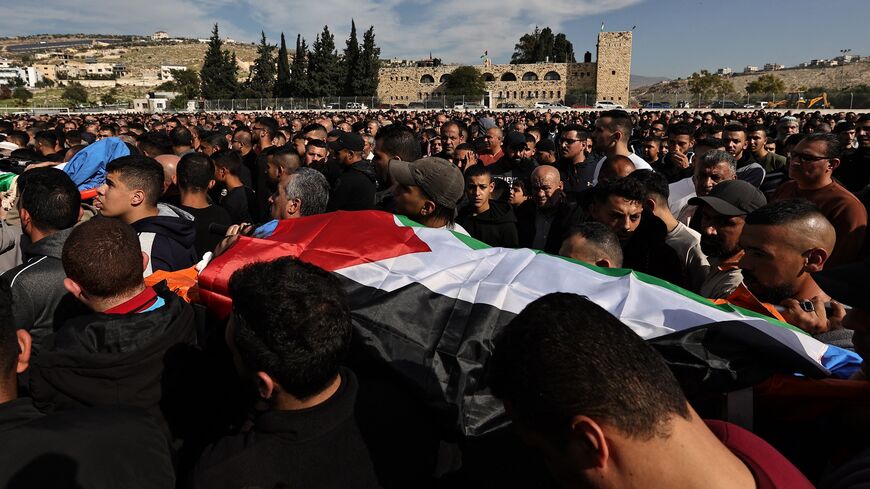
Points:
(671, 38)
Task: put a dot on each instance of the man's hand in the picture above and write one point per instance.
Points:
(679, 159)
(234, 232)
(813, 319)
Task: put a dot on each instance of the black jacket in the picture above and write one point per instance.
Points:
(320, 447)
(564, 215)
(354, 190)
(168, 239)
(495, 227)
(647, 252)
(87, 448)
(39, 299)
(103, 359)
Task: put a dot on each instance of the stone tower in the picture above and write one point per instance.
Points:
(614, 67)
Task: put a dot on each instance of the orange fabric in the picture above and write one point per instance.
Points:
(742, 297)
(88, 194)
(182, 282)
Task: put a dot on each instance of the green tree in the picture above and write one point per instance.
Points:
(766, 84)
(76, 93)
(261, 82)
(709, 85)
(178, 103)
(370, 64)
(22, 95)
(219, 73)
(352, 64)
(283, 83)
(299, 69)
(324, 73)
(465, 80)
(110, 97)
(541, 45)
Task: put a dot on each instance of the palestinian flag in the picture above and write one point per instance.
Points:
(429, 302)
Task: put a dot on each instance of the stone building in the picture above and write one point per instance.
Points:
(519, 84)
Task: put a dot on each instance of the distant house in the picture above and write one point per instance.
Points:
(773, 67)
(159, 36)
(724, 71)
(166, 71)
(750, 69)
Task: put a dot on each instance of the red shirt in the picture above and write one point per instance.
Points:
(141, 302)
(770, 469)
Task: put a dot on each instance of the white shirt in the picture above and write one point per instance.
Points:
(687, 243)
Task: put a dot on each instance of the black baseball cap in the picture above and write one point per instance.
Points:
(847, 283)
(732, 198)
(547, 145)
(347, 140)
(438, 178)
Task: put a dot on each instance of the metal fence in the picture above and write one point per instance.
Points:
(788, 100)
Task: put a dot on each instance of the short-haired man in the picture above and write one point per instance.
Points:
(117, 353)
(594, 243)
(240, 201)
(710, 170)
(98, 448)
(604, 409)
(677, 164)
(194, 177)
(281, 161)
(452, 135)
(392, 142)
(493, 140)
(355, 188)
(130, 193)
(243, 142)
(811, 165)
(651, 150)
(545, 152)
(428, 191)
(611, 137)
(182, 141)
(304, 192)
(618, 204)
(46, 144)
(576, 172)
(771, 162)
(490, 221)
(544, 219)
(854, 170)
(49, 207)
(308, 437)
(735, 139)
(722, 216)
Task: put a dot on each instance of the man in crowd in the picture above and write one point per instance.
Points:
(428, 191)
(594, 243)
(355, 188)
(195, 176)
(490, 221)
(712, 169)
(545, 152)
(811, 165)
(604, 410)
(308, 437)
(239, 200)
(452, 135)
(493, 139)
(182, 141)
(96, 448)
(611, 137)
(544, 219)
(618, 204)
(304, 192)
(854, 170)
(243, 142)
(723, 215)
(49, 208)
(576, 172)
(771, 162)
(735, 140)
(280, 162)
(393, 142)
(131, 191)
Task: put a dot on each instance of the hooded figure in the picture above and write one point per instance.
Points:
(168, 239)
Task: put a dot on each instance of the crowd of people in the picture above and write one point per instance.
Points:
(110, 379)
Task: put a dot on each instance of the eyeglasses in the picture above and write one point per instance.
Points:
(805, 158)
(569, 142)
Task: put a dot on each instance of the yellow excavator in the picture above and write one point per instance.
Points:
(813, 101)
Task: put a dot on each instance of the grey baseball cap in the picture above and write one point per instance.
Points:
(438, 178)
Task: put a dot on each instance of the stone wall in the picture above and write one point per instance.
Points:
(520, 84)
(614, 66)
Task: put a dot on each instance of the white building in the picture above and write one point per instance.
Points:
(159, 36)
(724, 71)
(750, 69)
(166, 71)
(773, 67)
(154, 102)
(9, 73)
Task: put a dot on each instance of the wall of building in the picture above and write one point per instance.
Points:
(614, 66)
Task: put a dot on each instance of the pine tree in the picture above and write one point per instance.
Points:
(299, 86)
(219, 70)
(370, 64)
(283, 83)
(352, 64)
(262, 79)
(324, 73)
(563, 50)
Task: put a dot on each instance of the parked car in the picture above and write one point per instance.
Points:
(355, 106)
(467, 106)
(507, 105)
(725, 104)
(608, 104)
(558, 106)
(657, 105)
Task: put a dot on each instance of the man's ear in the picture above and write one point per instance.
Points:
(293, 206)
(72, 287)
(816, 259)
(24, 216)
(428, 208)
(211, 184)
(138, 197)
(266, 387)
(145, 260)
(834, 163)
(174, 179)
(591, 440)
(24, 343)
(603, 263)
(650, 204)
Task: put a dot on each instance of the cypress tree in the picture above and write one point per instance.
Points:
(282, 83)
(262, 79)
(370, 64)
(352, 64)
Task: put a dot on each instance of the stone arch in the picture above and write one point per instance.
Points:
(444, 78)
(508, 76)
(552, 75)
(530, 76)
(487, 77)
(428, 79)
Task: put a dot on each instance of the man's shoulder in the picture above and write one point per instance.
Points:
(30, 268)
